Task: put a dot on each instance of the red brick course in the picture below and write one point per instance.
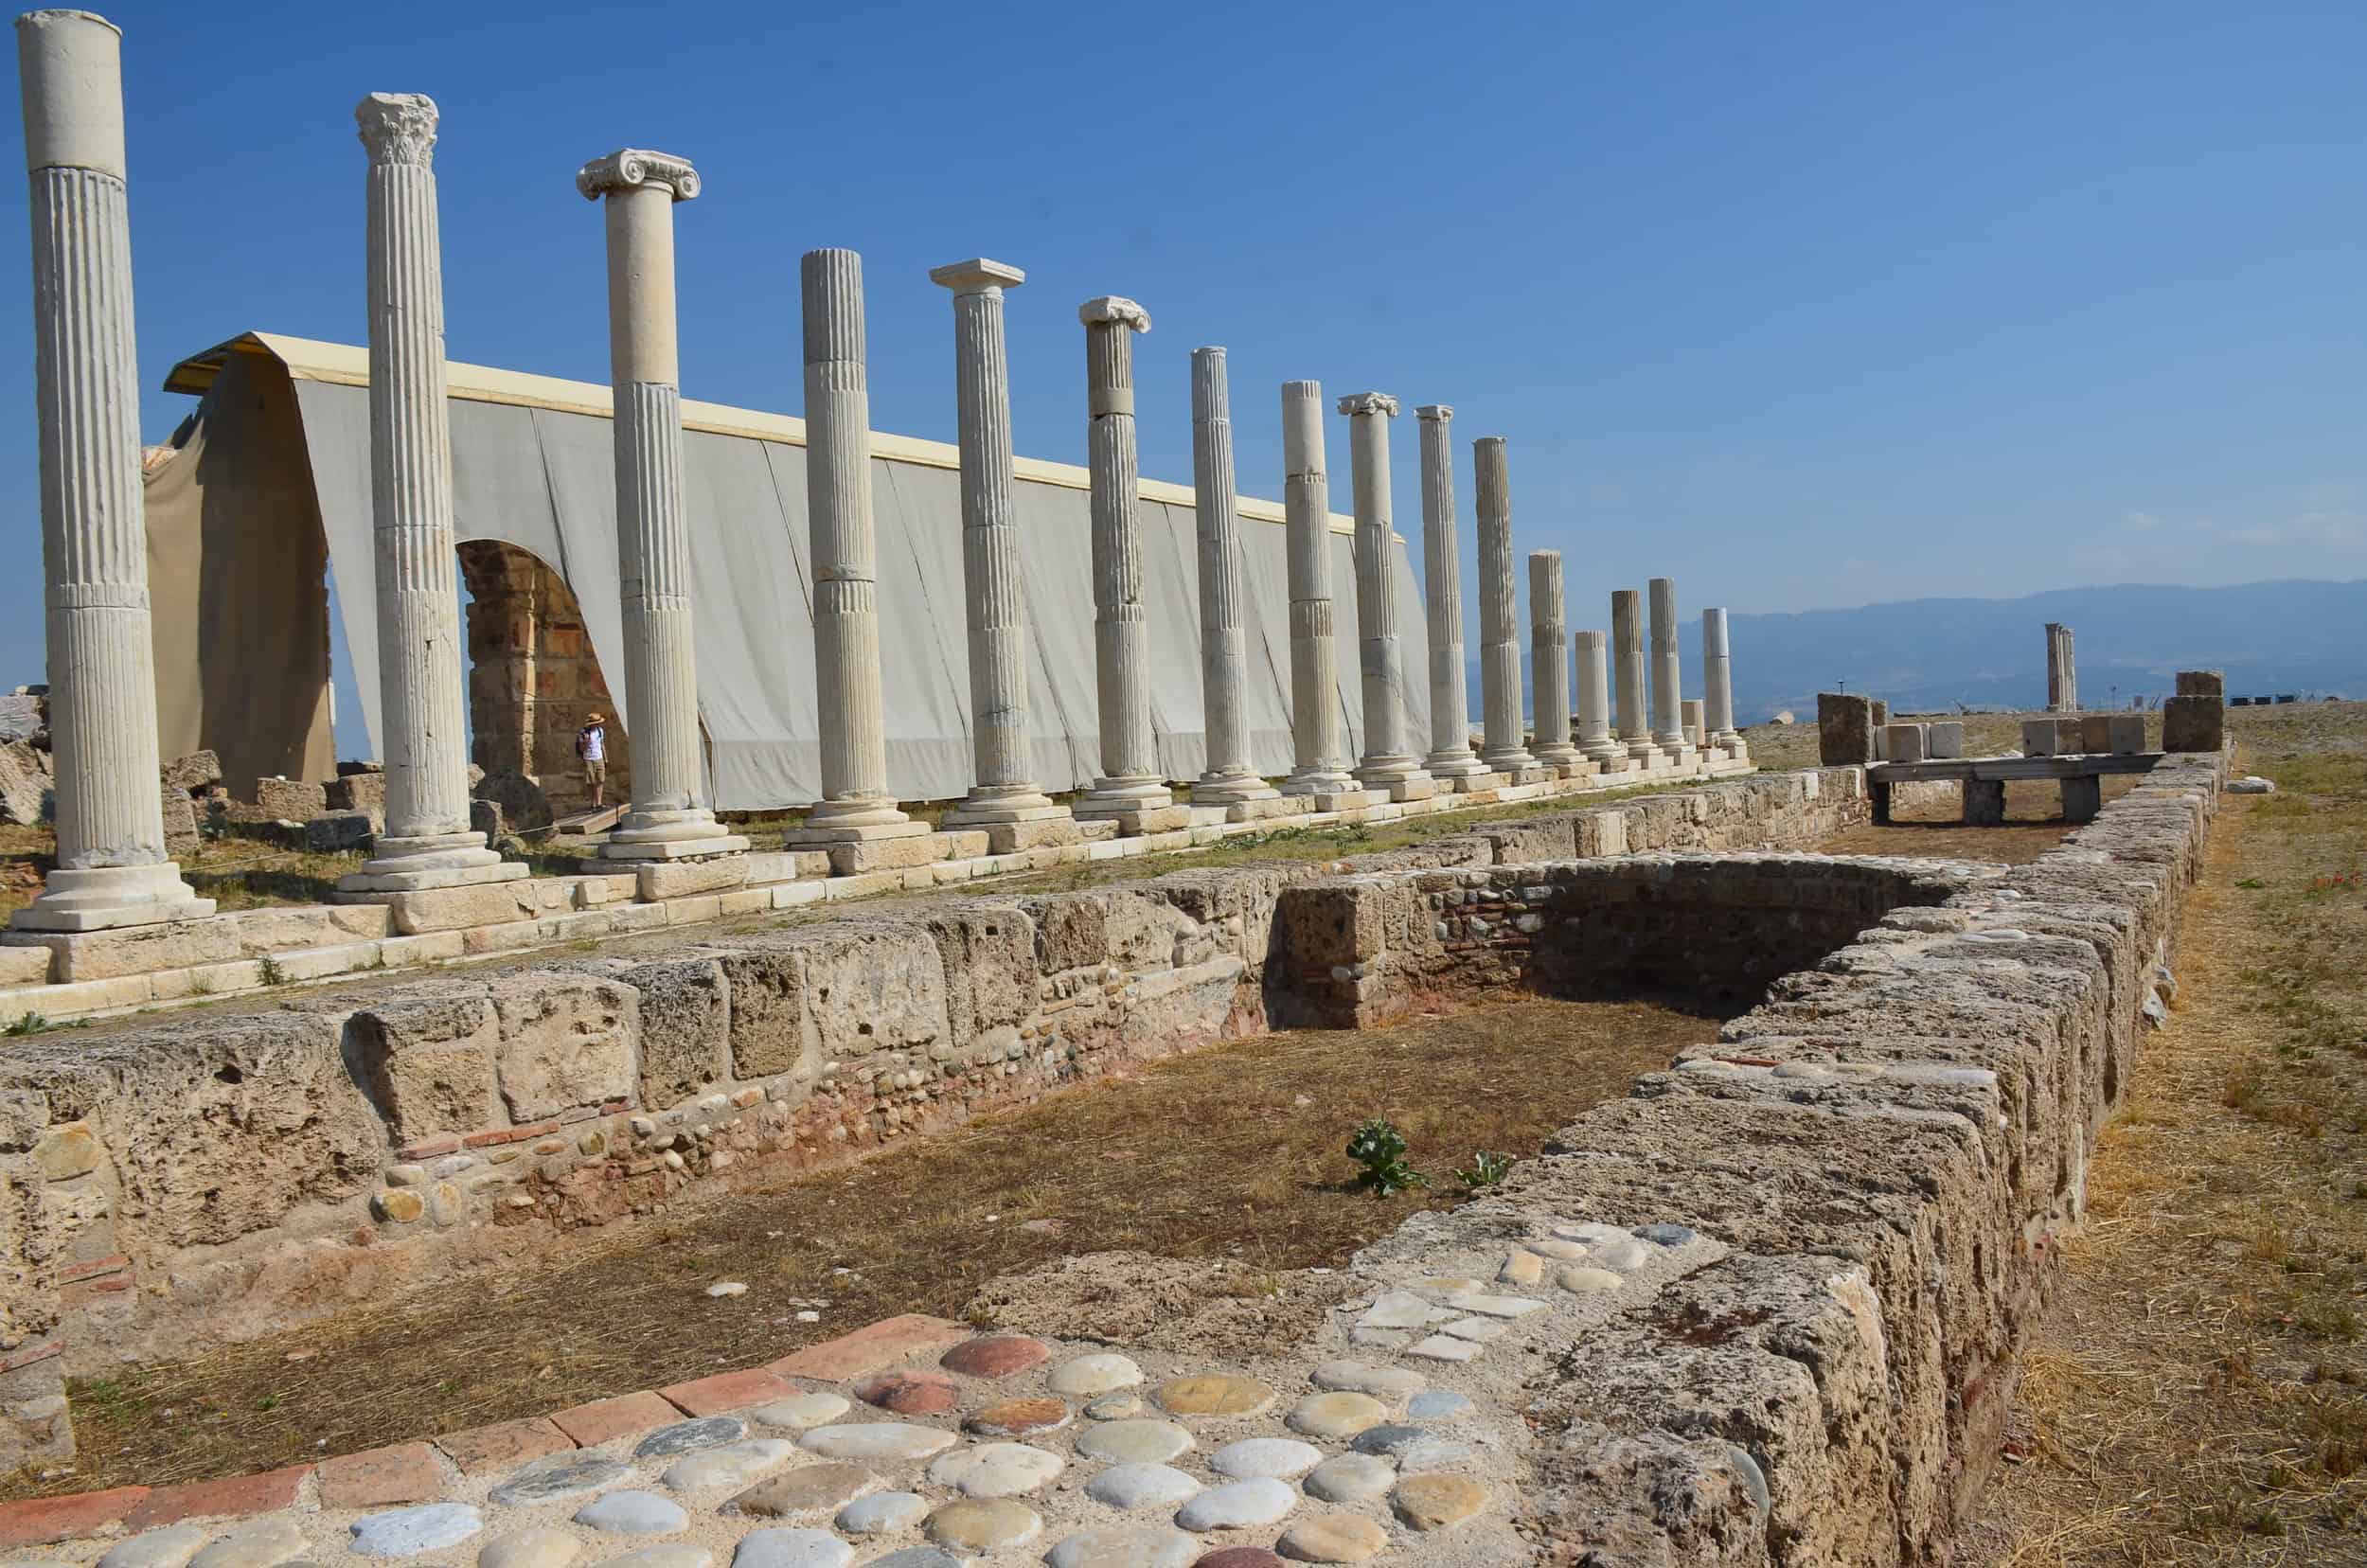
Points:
(589, 1425)
(728, 1391)
(231, 1498)
(482, 1451)
(405, 1472)
(40, 1519)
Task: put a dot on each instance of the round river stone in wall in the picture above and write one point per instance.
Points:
(1238, 1505)
(793, 1549)
(1099, 1373)
(1334, 1538)
(1387, 1439)
(1020, 1417)
(996, 1356)
(1143, 1487)
(1125, 1546)
(988, 1524)
(1623, 1254)
(1434, 1500)
(878, 1441)
(1349, 1478)
(920, 1393)
(542, 1548)
(995, 1470)
(1281, 1457)
(1134, 1442)
(1213, 1394)
(260, 1544)
(808, 1493)
(883, 1513)
(633, 1512)
(407, 1532)
(672, 1555)
(800, 1410)
(1588, 1281)
(1115, 1407)
(1438, 1405)
(1382, 1382)
(920, 1557)
(684, 1436)
(1241, 1557)
(1336, 1416)
(560, 1478)
(171, 1548)
(733, 1465)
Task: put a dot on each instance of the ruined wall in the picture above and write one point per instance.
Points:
(533, 678)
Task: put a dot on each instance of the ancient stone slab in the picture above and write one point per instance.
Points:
(1845, 729)
(566, 1040)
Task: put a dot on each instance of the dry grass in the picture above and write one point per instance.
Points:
(2198, 1393)
(1233, 1155)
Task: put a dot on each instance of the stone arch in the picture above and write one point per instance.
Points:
(533, 676)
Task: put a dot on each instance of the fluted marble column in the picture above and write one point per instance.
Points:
(112, 868)
(1321, 766)
(1228, 778)
(1626, 650)
(1668, 728)
(1549, 657)
(669, 818)
(1387, 764)
(1450, 761)
(1005, 791)
(1717, 685)
(856, 804)
(1595, 740)
(1502, 747)
(1131, 781)
(427, 843)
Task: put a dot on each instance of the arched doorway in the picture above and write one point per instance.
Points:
(533, 678)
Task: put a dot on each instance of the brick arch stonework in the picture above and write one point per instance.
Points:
(533, 676)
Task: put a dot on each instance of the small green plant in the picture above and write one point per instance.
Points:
(2251, 882)
(268, 968)
(31, 1023)
(1381, 1149)
(1487, 1168)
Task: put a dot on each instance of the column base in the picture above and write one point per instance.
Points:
(821, 835)
(1641, 750)
(1000, 805)
(1231, 789)
(1399, 776)
(1319, 781)
(1678, 753)
(856, 818)
(1131, 800)
(1514, 760)
(417, 864)
(1558, 755)
(1607, 755)
(1271, 805)
(1163, 818)
(1444, 765)
(1470, 783)
(671, 833)
(104, 897)
(654, 881)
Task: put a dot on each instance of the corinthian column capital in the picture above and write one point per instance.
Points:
(398, 128)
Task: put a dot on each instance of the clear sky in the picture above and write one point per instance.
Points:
(1806, 305)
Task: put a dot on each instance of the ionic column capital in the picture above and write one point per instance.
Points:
(1368, 402)
(398, 128)
(1440, 413)
(632, 168)
(1115, 310)
(977, 275)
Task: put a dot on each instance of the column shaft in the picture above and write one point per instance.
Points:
(1131, 781)
(1594, 731)
(1627, 648)
(1387, 764)
(427, 842)
(669, 818)
(1668, 729)
(1320, 764)
(1503, 746)
(1718, 691)
(1450, 755)
(1224, 646)
(111, 869)
(1549, 656)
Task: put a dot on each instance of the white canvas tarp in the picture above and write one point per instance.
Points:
(532, 468)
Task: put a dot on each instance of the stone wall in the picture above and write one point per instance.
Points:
(533, 678)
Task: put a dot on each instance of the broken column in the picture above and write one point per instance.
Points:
(1595, 740)
(427, 843)
(1450, 761)
(2196, 718)
(2062, 677)
(1386, 764)
(669, 819)
(112, 866)
(1503, 746)
(1627, 648)
(1669, 731)
(1228, 779)
(1320, 768)
(1133, 788)
(1550, 658)
(1717, 685)
(1005, 800)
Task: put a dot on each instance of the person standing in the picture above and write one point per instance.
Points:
(591, 746)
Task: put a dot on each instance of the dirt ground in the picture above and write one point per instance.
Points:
(1257, 1190)
(2198, 1394)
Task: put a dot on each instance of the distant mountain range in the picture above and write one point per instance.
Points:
(1933, 654)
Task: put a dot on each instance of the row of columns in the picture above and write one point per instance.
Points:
(112, 865)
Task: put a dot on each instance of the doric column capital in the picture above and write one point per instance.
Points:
(398, 128)
(1433, 411)
(631, 167)
(1114, 310)
(1369, 403)
(977, 275)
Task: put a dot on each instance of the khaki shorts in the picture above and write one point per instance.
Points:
(595, 770)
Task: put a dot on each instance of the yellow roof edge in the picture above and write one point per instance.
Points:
(344, 365)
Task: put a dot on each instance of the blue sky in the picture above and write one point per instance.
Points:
(1806, 305)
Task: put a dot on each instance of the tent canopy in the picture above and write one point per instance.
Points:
(283, 430)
